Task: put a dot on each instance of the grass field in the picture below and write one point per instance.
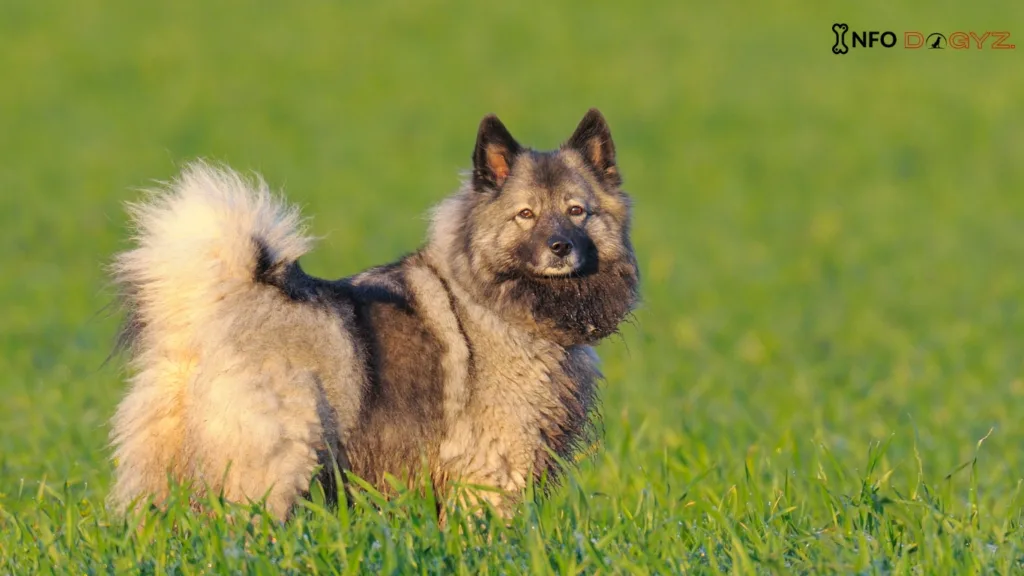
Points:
(832, 252)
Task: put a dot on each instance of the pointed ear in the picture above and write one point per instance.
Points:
(493, 155)
(593, 140)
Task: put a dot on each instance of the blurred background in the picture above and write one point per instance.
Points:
(831, 245)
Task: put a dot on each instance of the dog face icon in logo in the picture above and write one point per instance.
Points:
(936, 41)
(840, 46)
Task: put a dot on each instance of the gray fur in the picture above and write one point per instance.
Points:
(469, 359)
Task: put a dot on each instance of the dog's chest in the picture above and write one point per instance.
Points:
(515, 401)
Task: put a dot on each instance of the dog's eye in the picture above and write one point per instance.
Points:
(525, 213)
(576, 211)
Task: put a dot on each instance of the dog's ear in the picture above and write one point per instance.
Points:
(494, 154)
(593, 140)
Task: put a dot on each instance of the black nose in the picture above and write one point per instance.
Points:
(560, 246)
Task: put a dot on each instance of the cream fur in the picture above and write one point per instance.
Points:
(211, 401)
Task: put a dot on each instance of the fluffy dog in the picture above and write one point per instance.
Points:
(468, 360)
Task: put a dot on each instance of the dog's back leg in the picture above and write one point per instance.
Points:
(252, 431)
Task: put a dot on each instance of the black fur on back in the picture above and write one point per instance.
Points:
(401, 420)
(401, 410)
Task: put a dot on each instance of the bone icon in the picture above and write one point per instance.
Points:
(840, 46)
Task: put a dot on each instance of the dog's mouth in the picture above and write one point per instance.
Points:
(569, 267)
(563, 270)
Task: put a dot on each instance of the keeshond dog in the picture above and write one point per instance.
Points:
(468, 361)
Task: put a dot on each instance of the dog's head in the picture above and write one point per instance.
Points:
(549, 230)
(548, 214)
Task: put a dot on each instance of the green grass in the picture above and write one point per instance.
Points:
(832, 252)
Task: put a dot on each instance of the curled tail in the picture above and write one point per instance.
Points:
(216, 397)
(206, 237)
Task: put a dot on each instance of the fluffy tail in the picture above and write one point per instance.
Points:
(214, 399)
(207, 236)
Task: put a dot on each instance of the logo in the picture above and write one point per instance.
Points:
(840, 31)
(912, 39)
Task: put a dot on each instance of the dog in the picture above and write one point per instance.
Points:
(468, 361)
